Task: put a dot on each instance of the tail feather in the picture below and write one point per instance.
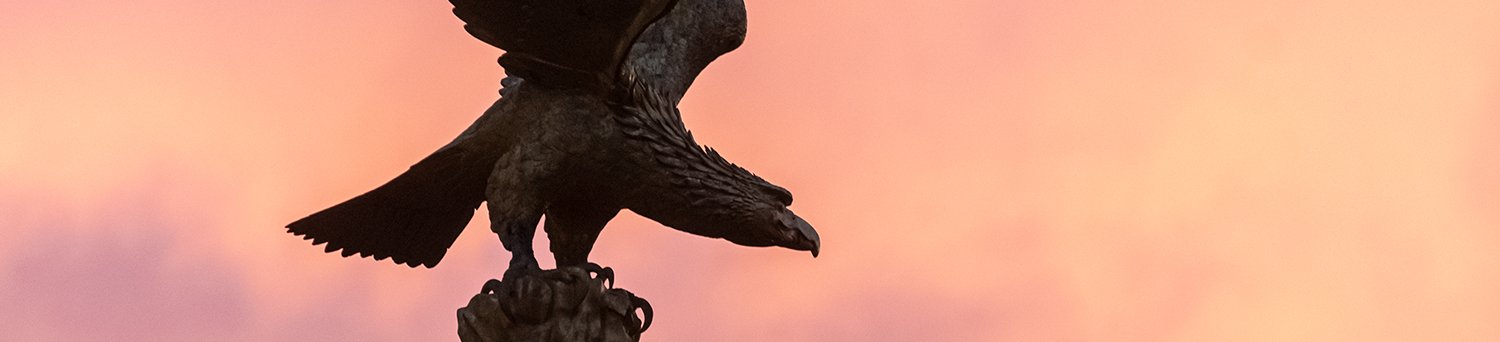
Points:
(412, 219)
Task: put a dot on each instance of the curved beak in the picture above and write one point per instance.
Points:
(807, 237)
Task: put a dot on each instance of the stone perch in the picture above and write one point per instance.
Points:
(561, 305)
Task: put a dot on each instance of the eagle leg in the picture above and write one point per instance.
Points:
(572, 230)
(517, 238)
(515, 207)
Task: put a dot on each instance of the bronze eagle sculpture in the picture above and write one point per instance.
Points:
(586, 126)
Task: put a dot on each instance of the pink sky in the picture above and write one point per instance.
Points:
(979, 171)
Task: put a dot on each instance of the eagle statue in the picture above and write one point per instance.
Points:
(587, 125)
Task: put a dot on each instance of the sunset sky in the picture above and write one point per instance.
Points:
(979, 170)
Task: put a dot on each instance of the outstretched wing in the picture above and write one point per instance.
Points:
(412, 219)
(560, 41)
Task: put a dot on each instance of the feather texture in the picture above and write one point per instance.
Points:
(649, 118)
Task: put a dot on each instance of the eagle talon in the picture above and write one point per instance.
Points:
(604, 273)
(646, 313)
(491, 286)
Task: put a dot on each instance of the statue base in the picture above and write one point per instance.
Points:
(561, 305)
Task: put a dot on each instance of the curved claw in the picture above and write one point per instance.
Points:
(605, 273)
(608, 274)
(646, 312)
(491, 286)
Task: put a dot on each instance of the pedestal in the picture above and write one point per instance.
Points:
(561, 305)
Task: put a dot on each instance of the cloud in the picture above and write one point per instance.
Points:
(115, 273)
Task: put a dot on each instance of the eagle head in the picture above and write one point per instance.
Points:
(762, 218)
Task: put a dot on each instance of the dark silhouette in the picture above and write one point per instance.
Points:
(587, 125)
(565, 304)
